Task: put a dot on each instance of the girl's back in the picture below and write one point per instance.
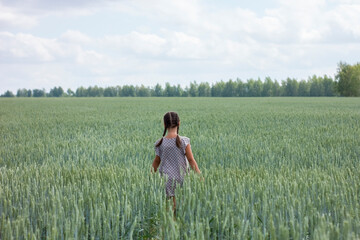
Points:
(173, 159)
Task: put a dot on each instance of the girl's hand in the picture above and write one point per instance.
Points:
(155, 164)
(190, 158)
(201, 177)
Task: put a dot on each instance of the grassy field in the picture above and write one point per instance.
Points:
(274, 168)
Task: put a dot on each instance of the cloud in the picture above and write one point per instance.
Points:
(135, 43)
(346, 18)
(158, 41)
(185, 11)
(317, 21)
(11, 17)
(89, 57)
(75, 37)
(185, 46)
(26, 47)
(41, 6)
(20, 14)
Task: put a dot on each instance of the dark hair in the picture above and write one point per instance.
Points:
(171, 120)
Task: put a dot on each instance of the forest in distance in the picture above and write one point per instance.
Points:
(346, 83)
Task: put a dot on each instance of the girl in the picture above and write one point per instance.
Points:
(173, 153)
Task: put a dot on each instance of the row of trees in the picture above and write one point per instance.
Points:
(346, 83)
(348, 79)
(315, 86)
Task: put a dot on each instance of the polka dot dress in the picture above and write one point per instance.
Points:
(173, 162)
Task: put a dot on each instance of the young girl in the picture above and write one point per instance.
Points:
(173, 153)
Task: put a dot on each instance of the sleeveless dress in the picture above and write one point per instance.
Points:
(173, 162)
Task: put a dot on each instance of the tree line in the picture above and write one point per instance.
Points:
(346, 83)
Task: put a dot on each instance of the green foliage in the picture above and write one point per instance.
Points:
(267, 87)
(56, 92)
(158, 91)
(204, 90)
(274, 168)
(315, 86)
(217, 89)
(81, 92)
(348, 79)
(291, 87)
(70, 93)
(329, 86)
(110, 92)
(38, 93)
(229, 89)
(170, 91)
(23, 93)
(96, 91)
(304, 88)
(193, 91)
(8, 94)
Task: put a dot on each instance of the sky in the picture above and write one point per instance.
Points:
(73, 43)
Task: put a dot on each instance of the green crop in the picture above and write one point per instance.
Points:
(273, 168)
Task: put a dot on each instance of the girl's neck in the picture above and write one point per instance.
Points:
(171, 132)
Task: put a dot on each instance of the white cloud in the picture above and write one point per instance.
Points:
(186, 46)
(89, 57)
(10, 18)
(185, 11)
(41, 6)
(176, 40)
(135, 43)
(26, 47)
(347, 19)
(73, 36)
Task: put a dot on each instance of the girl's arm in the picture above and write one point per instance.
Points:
(191, 159)
(155, 163)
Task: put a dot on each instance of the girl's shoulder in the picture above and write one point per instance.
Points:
(157, 141)
(185, 140)
(183, 137)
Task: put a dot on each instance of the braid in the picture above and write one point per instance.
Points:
(178, 141)
(160, 142)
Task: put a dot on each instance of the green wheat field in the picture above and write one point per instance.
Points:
(273, 168)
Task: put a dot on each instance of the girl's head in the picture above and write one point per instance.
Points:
(171, 120)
